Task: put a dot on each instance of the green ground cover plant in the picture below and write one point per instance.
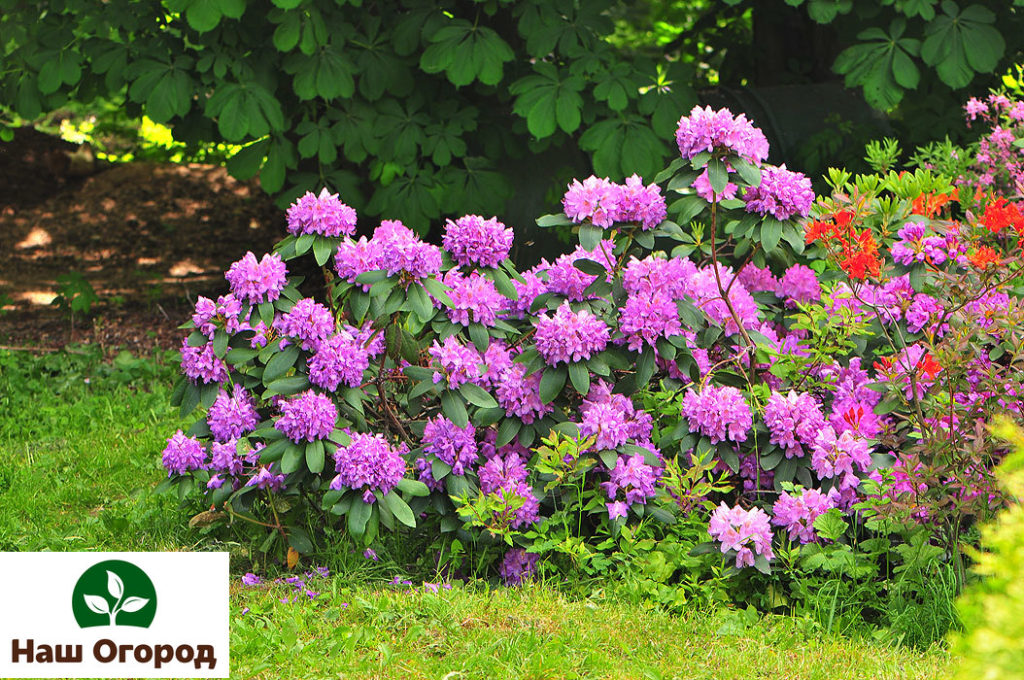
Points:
(77, 437)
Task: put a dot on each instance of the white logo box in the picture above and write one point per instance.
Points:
(191, 618)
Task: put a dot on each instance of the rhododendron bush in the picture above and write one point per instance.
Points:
(720, 347)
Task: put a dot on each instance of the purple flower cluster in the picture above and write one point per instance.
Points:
(519, 394)
(747, 532)
(613, 419)
(517, 566)
(914, 246)
(633, 476)
(325, 215)
(341, 358)
(794, 421)
(183, 453)
(395, 249)
(798, 284)
(645, 319)
(570, 336)
(202, 364)
(565, 279)
(703, 288)
(474, 299)
(502, 471)
(654, 276)
(307, 417)
(472, 240)
(451, 444)
(458, 363)
(231, 416)
(797, 513)
(257, 282)
(605, 203)
(367, 464)
(705, 130)
(265, 479)
(782, 193)
(308, 321)
(837, 457)
(719, 413)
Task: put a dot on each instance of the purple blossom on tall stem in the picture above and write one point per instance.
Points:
(256, 282)
(472, 240)
(324, 214)
(705, 130)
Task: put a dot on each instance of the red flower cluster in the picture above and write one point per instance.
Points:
(983, 257)
(929, 205)
(1001, 214)
(858, 250)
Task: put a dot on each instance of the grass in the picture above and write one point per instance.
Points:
(79, 454)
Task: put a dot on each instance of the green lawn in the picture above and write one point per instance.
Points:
(79, 453)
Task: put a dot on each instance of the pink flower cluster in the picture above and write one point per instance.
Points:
(472, 240)
(706, 130)
(746, 532)
(719, 413)
(325, 215)
(307, 417)
(256, 282)
(570, 336)
(606, 203)
(369, 463)
(796, 514)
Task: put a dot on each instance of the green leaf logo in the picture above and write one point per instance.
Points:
(114, 593)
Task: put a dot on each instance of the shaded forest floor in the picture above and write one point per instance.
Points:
(147, 237)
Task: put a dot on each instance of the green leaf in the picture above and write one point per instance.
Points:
(645, 367)
(481, 339)
(961, 43)
(280, 364)
(420, 302)
(590, 236)
(400, 509)
(507, 431)
(771, 232)
(286, 35)
(323, 249)
(315, 456)
(203, 15)
(477, 396)
(548, 101)
(286, 386)
(554, 220)
(466, 52)
(413, 487)
(580, 377)
(358, 516)
(551, 383)
(292, 459)
(454, 408)
(718, 175)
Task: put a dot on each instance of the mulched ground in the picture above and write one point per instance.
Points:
(149, 238)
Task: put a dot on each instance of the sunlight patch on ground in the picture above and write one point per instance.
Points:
(36, 297)
(36, 238)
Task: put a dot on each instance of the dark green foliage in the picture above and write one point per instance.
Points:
(433, 102)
